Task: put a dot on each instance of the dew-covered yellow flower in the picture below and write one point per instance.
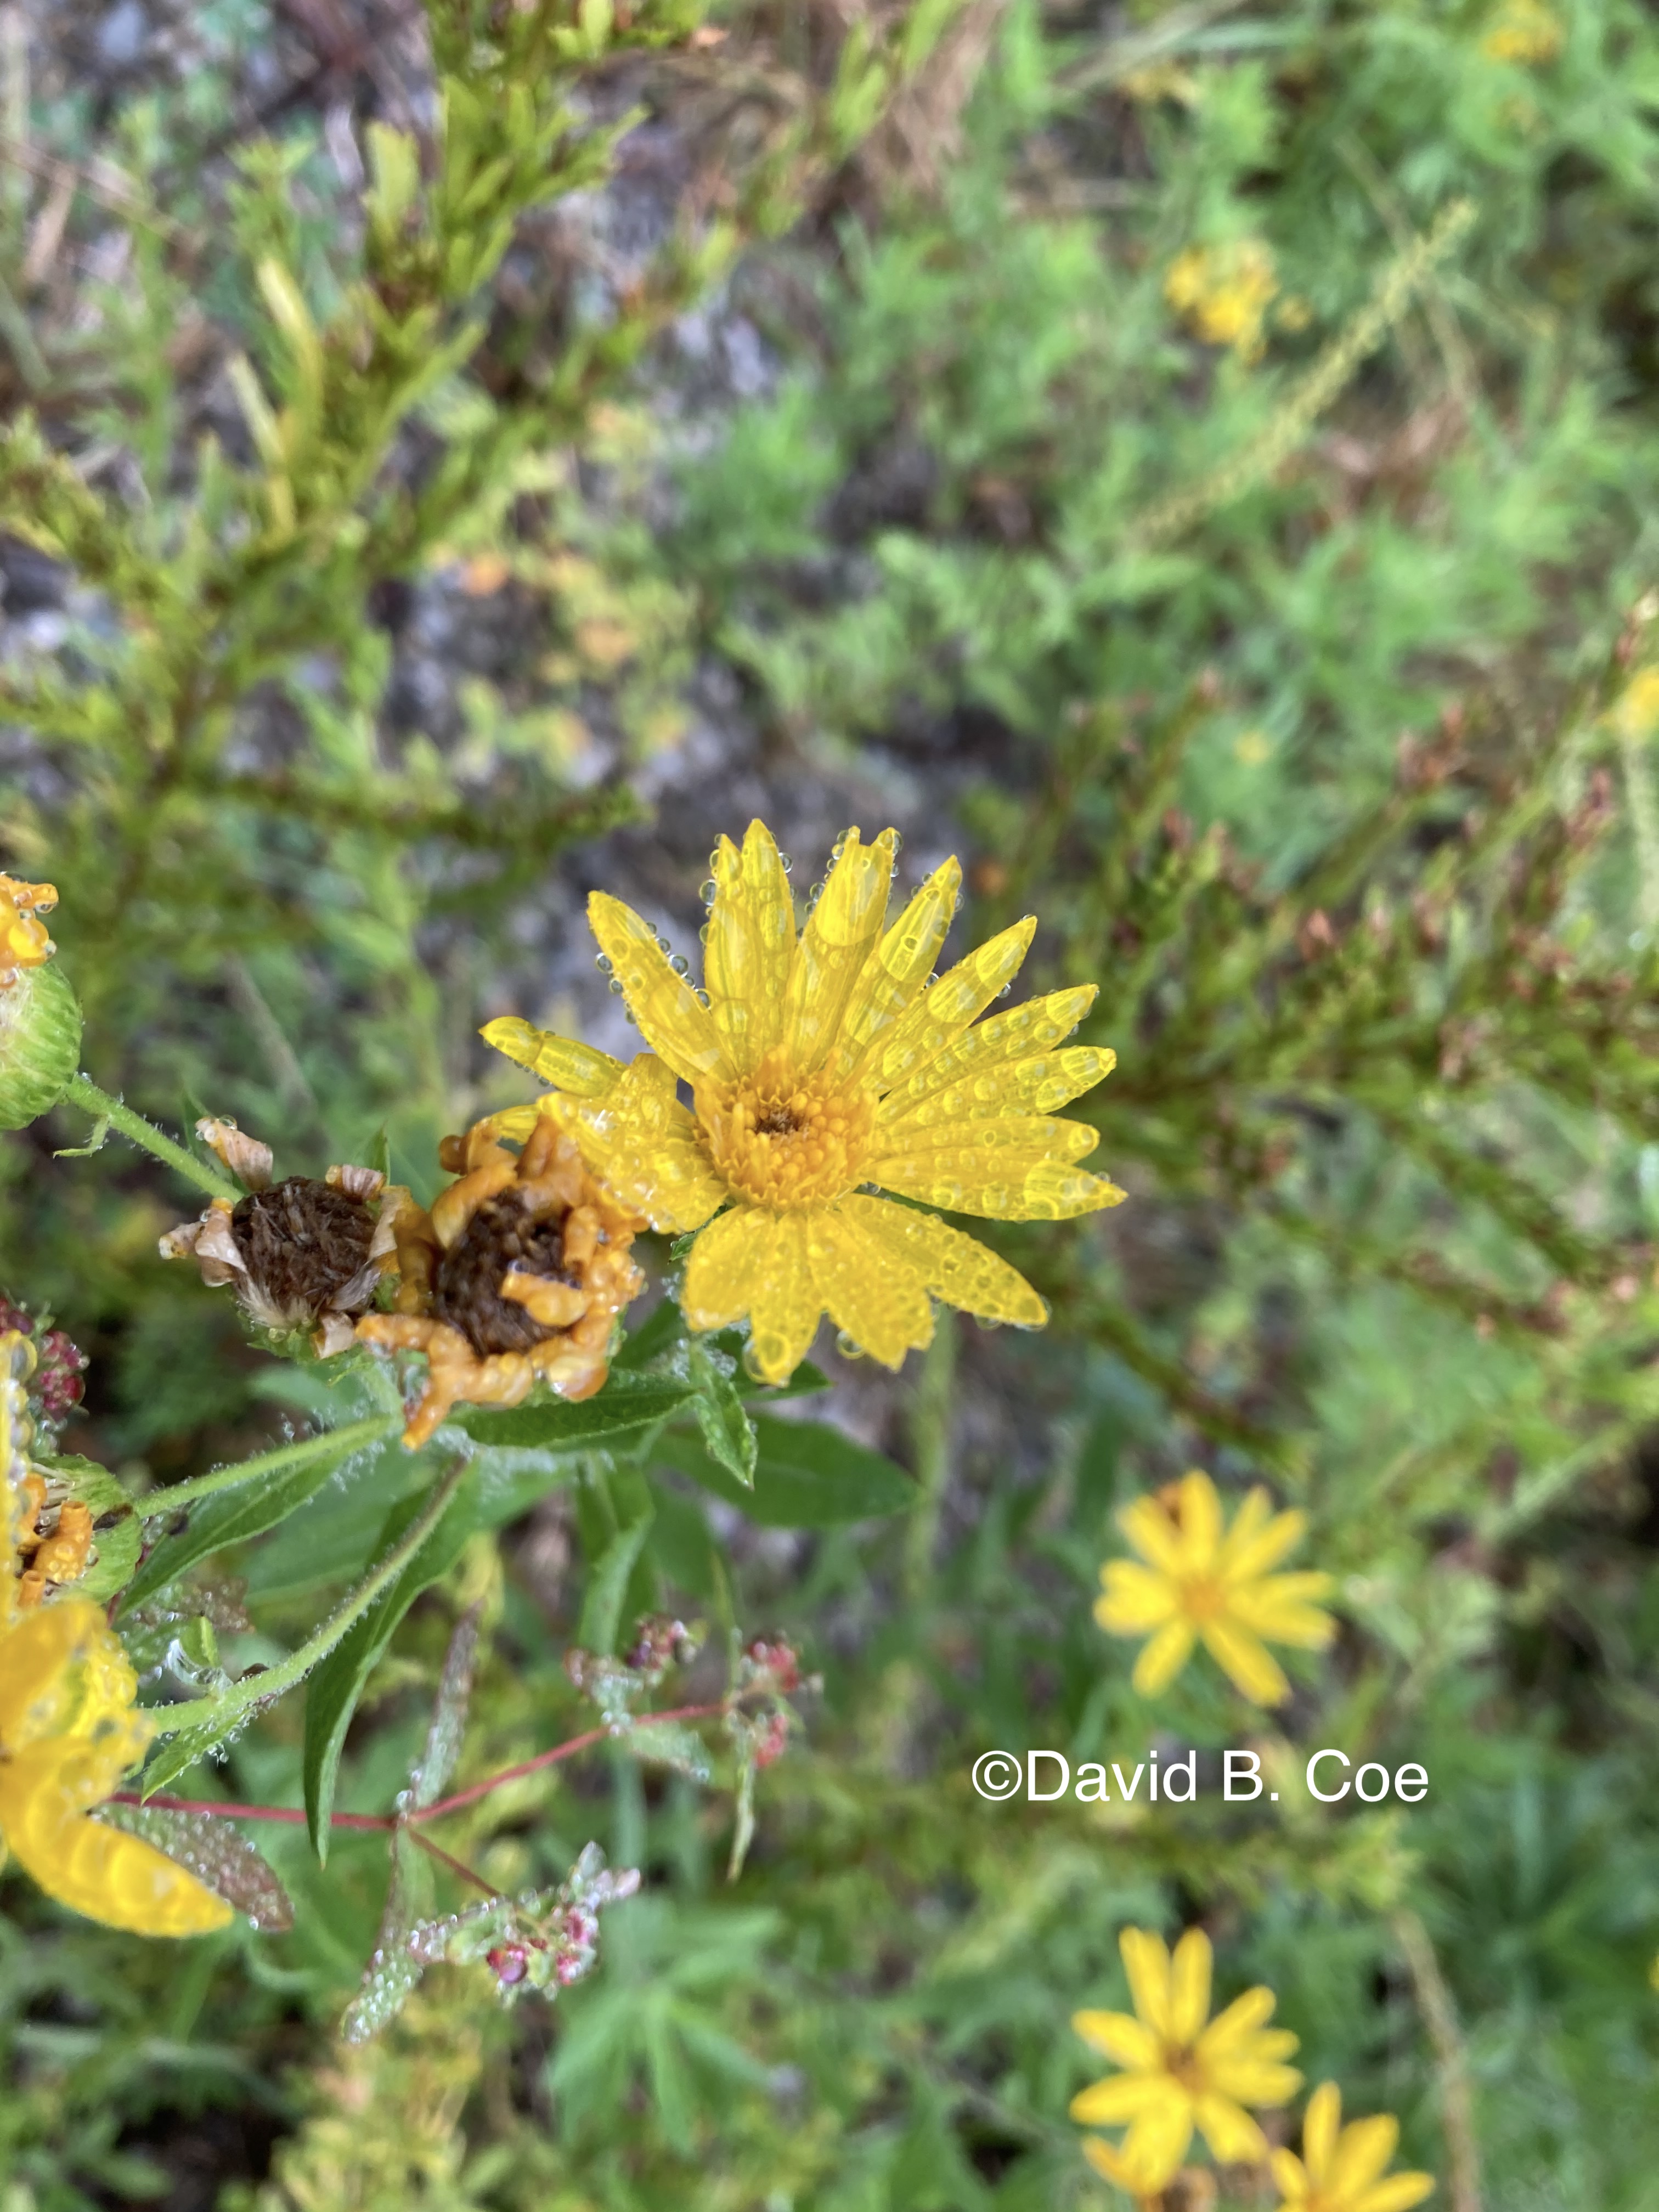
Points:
(823, 1067)
(1224, 291)
(69, 1729)
(1523, 31)
(25, 941)
(1182, 2070)
(1206, 1580)
(1341, 2169)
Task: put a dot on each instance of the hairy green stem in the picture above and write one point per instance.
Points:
(258, 1689)
(86, 1094)
(354, 1437)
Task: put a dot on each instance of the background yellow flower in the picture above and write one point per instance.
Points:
(1340, 2168)
(820, 1063)
(1205, 1580)
(1182, 2070)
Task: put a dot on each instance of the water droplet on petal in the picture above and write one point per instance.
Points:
(616, 986)
(848, 1347)
(602, 964)
(702, 934)
(1005, 989)
(785, 863)
(708, 892)
(898, 842)
(680, 963)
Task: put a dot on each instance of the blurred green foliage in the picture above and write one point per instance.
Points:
(1334, 773)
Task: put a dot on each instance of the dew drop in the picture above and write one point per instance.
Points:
(898, 842)
(702, 934)
(702, 997)
(602, 963)
(785, 863)
(680, 963)
(848, 1347)
(616, 986)
(1005, 989)
(708, 892)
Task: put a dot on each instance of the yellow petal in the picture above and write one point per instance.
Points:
(750, 946)
(1189, 1986)
(869, 1290)
(897, 970)
(1397, 2194)
(1228, 2129)
(103, 1872)
(1289, 2178)
(1230, 2031)
(1246, 1661)
(999, 1186)
(785, 1306)
(1021, 1087)
(1134, 1600)
(62, 1671)
(1154, 1534)
(1277, 1615)
(1035, 1136)
(1125, 2041)
(726, 1267)
(1253, 1549)
(946, 1009)
(977, 1054)
(1252, 2081)
(560, 1061)
(1201, 1521)
(672, 1019)
(1363, 2150)
(1156, 2144)
(839, 938)
(1146, 1962)
(1164, 1658)
(1321, 2125)
(1124, 2097)
(954, 1267)
(643, 1145)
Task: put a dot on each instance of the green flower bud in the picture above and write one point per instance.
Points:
(39, 1044)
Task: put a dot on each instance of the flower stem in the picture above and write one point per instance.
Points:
(86, 1094)
(223, 1711)
(354, 1437)
(455, 1865)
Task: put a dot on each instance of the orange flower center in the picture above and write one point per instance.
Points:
(785, 1141)
(1203, 1598)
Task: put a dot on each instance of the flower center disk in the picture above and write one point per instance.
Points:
(302, 1240)
(787, 1142)
(467, 1291)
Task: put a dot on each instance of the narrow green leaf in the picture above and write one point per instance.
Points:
(334, 1688)
(249, 1508)
(726, 1429)
(806, 1476)
(628, 1406)
(607, 1585)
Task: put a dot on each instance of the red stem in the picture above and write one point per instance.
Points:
(293, 1817)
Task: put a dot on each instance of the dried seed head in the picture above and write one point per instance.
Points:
(302, 1242)
(504, 1235)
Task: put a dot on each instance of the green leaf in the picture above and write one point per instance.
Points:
(726, 1428)
(115, 1525)
(332, 1692)
(231, 1516)
(807, 1475)
(607, 1585)
(627, 1406)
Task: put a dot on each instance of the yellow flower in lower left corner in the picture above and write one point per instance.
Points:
(68, 1731)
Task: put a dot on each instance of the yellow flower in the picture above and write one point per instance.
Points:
(1340, 2168)
(1636, 711)
(1180, 2073)
(24, 942)
(69, 1729)
(1206, 1580)
(818, 1066)
(67, 1733)
(1523, 31)
(1224, 292)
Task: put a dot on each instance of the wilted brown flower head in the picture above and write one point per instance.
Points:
(516, 1277)
(303, 1252)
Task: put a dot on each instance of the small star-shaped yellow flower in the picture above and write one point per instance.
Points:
(1204, 1580)
(1182, 2070)
(1340, 2168)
